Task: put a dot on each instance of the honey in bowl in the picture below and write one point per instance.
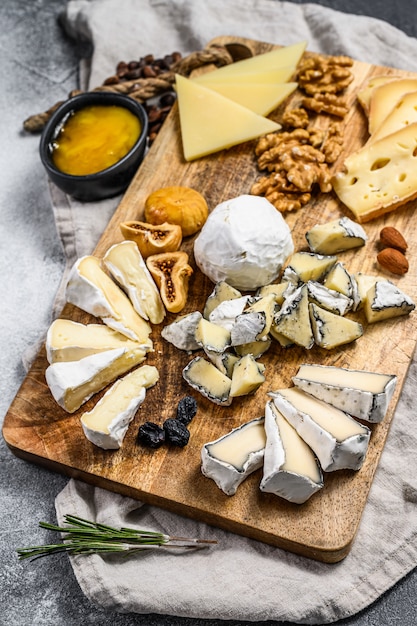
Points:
(94, 138)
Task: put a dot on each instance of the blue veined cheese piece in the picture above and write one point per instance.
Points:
(338, 441)
(291, 470)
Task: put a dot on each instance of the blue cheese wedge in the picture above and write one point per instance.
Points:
(107, 423)
(181, 332)
(338, 441)
(222, 291)
(291, 470)
(125, 263)
(230, 459)
(93, 291)
(247, 376)
(67, 340)
(205, 378)
(336, 236)
(385, 300)
(74, 382)
(212, 336)
(331, 330)
(328, 298)
(293, 319)
(362, 394)
(305, 266)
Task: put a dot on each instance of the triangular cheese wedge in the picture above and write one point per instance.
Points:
(272, 77)
(210, 122)
(385, 97)
(261, 98)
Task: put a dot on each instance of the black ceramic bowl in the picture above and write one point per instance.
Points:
(108, 182)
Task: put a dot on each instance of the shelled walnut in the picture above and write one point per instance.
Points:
(318, 73)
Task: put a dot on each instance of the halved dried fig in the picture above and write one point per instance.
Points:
(177, 205)
(171, 272)
(151, 238)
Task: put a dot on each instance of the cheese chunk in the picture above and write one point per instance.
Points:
(234, 456)
(181, 332)
(362, 394)
(222, 291)
(305, 266)
(403, 114)
(336, 236)
(210, 122)
(227, 311)
(74, 382)
(125, 263)
(329, 299)
(365, 94)
(224, 361)
(255, 348)
(107, 423)
(278, 290)
(205, 378)
(212, 336)
(380, 177)
(364, 282)
(247, 376)
(340, 280)
(331, 330)
(385, 97)
(293, 319)
(290, 470)
(261, 98)
(255, 321)
(93, 291)
(385, 300)
(338, 441)
(70, 341)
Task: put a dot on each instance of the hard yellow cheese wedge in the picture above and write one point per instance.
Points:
(385, 97)
(266, 77)
(403, 114)
(261, 98)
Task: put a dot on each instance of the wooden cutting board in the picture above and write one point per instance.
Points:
(37, 430)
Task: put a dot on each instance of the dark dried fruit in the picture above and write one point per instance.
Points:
(151, 435)
(176, 432)
(186, 410)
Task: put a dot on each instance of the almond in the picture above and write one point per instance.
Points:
(390, 237)
(393, 261)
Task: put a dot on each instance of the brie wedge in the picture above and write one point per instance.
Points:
(231, 458)
(338, 441)
(205, 378)
(107, 423)
(291, 470)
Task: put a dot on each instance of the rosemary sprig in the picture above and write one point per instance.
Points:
(81, 536)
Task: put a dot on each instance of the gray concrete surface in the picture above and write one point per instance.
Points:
(39, 66)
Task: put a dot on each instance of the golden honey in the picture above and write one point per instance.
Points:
(94, 138)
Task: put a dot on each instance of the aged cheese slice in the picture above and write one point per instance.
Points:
(338, 441)
(204, 377)
(107, 423)
(385, 300)
(290, 470)
(222, 291)
(210, 122)
(331, 330)
(234, 456)
(67, 340)
(73, 382)
(247, 376)
(293, 319)
(93, 291)
(380, 177)
(385, 97)
(362, 394)
(305, 266)
(336, 236)
(403, 114)
(261, 98)
(181, 332)
(212, 336)
(328, 298)
(364, 95)
(125, 263)
(270, 77)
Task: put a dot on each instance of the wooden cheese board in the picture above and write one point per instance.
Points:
(38, 430)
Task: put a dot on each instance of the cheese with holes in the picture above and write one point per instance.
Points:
(205, 378)
(210, 122)
(261, 98)
(385, 97)
(290, 469)
(293, 319)
(181, 332)
(125, 263)
(74, 382)
(230, 459)
(93, 291)
(107, 423)
(338, 441)
(385, 300)
(362, 394)
(305, 266)
(380, 177)
(336, 236)
(67, 340)
(331, 330)
(247, 376)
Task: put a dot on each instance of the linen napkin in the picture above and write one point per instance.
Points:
(240, 579)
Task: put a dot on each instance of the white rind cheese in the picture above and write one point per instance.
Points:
(329, 299)
(211, 336)
(385, 300)
(291, 470)
(181, 332)
(72, 383)
(222, 291)
(230, 459)
(247, 376)
(362, 394)
(205, 378)
(305, 266)
(336, 236)
(331, 330)
(338, 441)
(107, 423)
(293, 319)
(227, 311)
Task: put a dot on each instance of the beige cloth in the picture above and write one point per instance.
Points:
(240, 579)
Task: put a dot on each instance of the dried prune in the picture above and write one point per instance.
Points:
(186, 410)
(151, 435)
(176, 432)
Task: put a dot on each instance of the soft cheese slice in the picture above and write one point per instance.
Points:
(278, 290)
(403, 114)
(212, 336)
(93, 291)
(181, 332)
(380, 177)
(360, 393)
(234, 456)
(291, 470)
(331, 330)
(67, 340)
(293, 319)
(385, 300)
(125, 263)
(338, 441)
(328, 298)
(222, 291)
(261, 98)
(336, 236)
(210, 122)
(385, 97)
(204, 377)
(305, 266)
(364, 282)
(107, 423)
(74, 382)
(255, 348)
(247, 376)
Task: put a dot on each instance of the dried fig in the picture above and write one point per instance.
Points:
(177, 205)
